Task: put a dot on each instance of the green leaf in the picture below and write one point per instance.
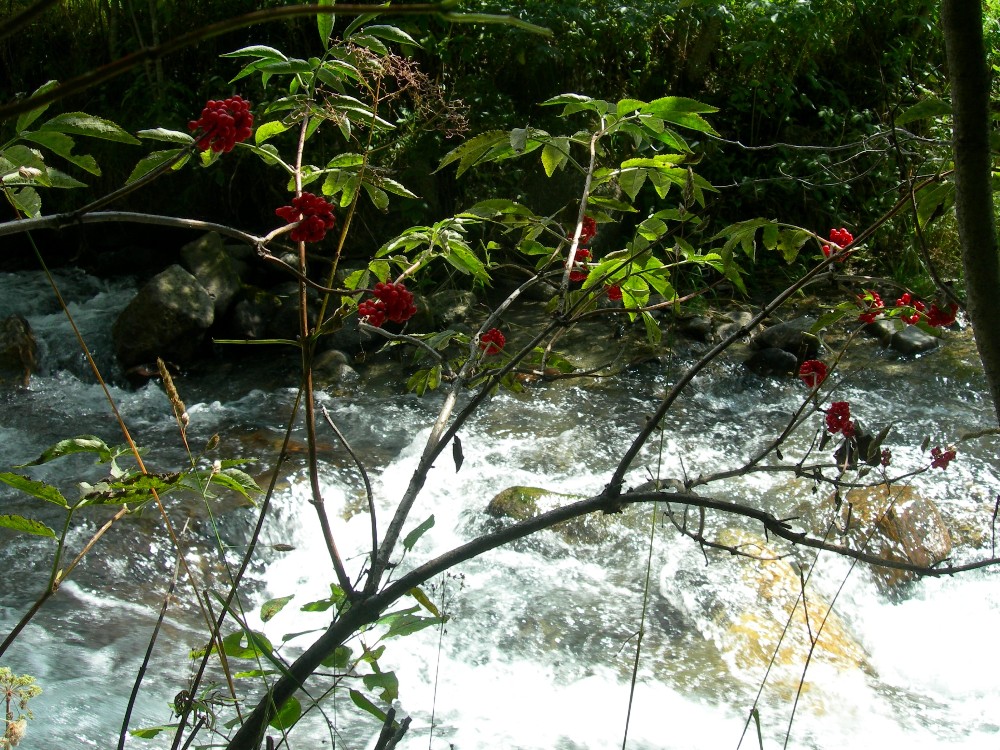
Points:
(631, 181)
(236, 480)
(418, 532)
(81, 444)
(269, 130)
(80, 123)
(247, 645)
(148, 733)
(26, 525)
(33, 487)
(386, 681)
(790, 242)
(470, 152)
(407, 623)
(378, 197)
(424, 380)
(339, 659)
(287, 715)
(611, 204)
(257, 50)
(150, 162)
(170, 136)
(653, 332)
(324, 23)
(628, 106)
(28, 201)
(273, 606)
(669, 105)
(933, 200)
(62, 145)
(391, 34)
(930, 107)
(362, 702)
(555, 154)
(26, 118)
(337, 597)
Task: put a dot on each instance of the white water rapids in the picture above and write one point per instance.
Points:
(539, 647)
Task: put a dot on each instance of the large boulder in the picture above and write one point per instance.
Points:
(905, 340)
(18, 351)
(209, 262)
(167, 318)
(897, 524)
(751, 607)
(794, 336)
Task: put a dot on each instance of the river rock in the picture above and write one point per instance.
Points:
(735, 320)
(516, 503)
(907, 528)
(793, 336)
(906, 340)
(207, 260)
(772, 361)
(18, 351)
(252, 313)
(333, 367)
(743, 604)
(167, 318)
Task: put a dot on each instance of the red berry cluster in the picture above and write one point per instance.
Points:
(935, 316)
(614, 292)
(840, 237)
(393, 302)
(223, 124)
(871, 306)
(587, 232)
(314, 214)
(812, 372)
(838, 419)
(492, 342)
(941, 458)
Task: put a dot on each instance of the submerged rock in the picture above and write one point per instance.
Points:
(751, 608)
(906, 340)
(902, 526)
(18, 351)
(772, 361)
(793, 336)
(167, 318)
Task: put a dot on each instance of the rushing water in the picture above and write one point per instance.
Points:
(540, 645)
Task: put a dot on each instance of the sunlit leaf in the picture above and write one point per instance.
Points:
(410, 539)
(273, 606)
(25, 525)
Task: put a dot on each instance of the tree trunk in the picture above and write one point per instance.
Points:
(970, 92)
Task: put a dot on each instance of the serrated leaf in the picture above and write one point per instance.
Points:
(25, 119)
(391, 34)
(472, 150)
(28, 201)
(412, 538)
(150, 162)
(555, 154)
(933, 200)
(25, 525)
(81, 444)
(653, 332)
(62, 145)
(631, 181)
(257, 50)
(80, 123)
(324, 23)
(269, 130)
(273, 606)
(378, 197)
(611, 204)
(170, 136)
(35, 488)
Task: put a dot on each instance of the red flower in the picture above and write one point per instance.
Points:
(587, 231)
(492, 342)
(223, 124)
(614, 292)
(392, 302)
(314, 214)
(838, 417)
(812, 372)
(940, 458)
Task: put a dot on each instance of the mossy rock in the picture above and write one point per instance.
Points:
(516, 503)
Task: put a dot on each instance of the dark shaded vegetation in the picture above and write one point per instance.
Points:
(827, 74)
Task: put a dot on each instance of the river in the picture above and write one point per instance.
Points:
(540, 644)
